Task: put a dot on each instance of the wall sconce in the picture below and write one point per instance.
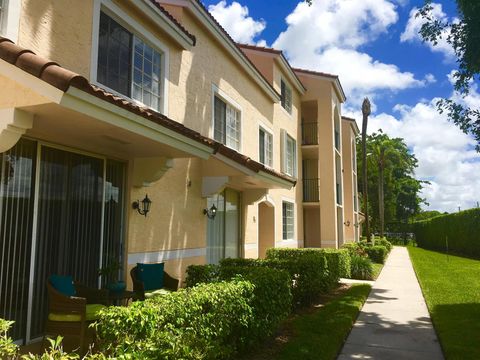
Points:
(146, 202)
(347, 223)
(210, 212)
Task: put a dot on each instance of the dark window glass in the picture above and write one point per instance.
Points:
(114, 55)
(220, 114)
(261, 145)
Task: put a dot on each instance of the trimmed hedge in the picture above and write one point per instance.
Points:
(462, 230)
(209, 321)
(377, 253)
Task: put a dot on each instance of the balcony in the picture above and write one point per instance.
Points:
(310, 133)
(310, 190)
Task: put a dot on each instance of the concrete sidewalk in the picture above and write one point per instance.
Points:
(394, 322)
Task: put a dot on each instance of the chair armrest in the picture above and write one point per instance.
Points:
(62, 304)
(170, 283)
(138, 286)
(93, 296)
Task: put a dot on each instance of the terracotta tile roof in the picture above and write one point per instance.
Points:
(173, 20)
(62, 79)
(316, 73)
(199, 2)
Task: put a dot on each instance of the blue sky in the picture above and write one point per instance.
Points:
(374, 46)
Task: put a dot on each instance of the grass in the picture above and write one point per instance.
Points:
(321, 333)
(451, 287)
(377, 268)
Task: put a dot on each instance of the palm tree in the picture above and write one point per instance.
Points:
(366, 112)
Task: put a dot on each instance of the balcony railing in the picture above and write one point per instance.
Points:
(310, 133)
(310, 190)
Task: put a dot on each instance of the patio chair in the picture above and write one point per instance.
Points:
(151, 280)
(71, 308)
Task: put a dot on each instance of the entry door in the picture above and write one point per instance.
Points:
(223, 232)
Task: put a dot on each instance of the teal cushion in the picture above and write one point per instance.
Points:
(151, 275)
(63, 284)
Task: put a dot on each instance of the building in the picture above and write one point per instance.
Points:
(152, 101)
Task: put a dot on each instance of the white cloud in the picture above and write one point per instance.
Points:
(327, 36)
(411, 33)
(445, 154)
(430, 78)
(234, 18)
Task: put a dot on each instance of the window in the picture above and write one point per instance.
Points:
(226, 124)
(288, 222)
(265, 144)
(129, 65)
(289, 155)
(286, 97)
(3, 15)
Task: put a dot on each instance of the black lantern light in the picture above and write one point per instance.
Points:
(210, 212)
(347, 223)
(146, 202)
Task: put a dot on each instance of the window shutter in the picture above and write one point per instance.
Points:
(288, 99)
(283, 150)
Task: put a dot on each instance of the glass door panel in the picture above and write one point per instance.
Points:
(69, 224)
(216, 230)
(17, 174)
(232, 228)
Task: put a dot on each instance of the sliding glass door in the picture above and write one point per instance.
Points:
(62, 213)
(17, 174)
(223, 232)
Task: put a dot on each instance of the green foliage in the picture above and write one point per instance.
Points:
(314, 271)
(8, 350)
(463, 34)
(362, 268)
(391, 160)
(425, 215)
(272, 301)
(377, 253)
(320, 334)
(384, 242)
(197, 274)
(451, 287)
(209, 321)
(461, 229)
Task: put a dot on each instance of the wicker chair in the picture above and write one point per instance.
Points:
(170, 284)
(68, 314)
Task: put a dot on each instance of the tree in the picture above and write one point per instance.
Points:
(463, 34)
(393, 191)
(366, 112)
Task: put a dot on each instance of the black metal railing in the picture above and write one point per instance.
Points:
(310, 133)
(310, 190)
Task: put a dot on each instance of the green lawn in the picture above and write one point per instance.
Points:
(377, 268)
(321, 334)
(451, 286)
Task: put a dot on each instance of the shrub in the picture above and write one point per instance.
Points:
(8, 349)
(362, 268)
(355, 249)
(377, 253)
(310, 270)
(386, 243)
(461, 230)
(272, 301)
(209, 321)
(197, 274)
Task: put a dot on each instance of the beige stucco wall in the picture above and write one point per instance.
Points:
(59, 30)
(347, 138)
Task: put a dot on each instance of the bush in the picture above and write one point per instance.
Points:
(362, 268)
(355, 249)
(461, 229)
(197, 274)
(310, 269)
(384, 242)
(377, 253)
(209, 321)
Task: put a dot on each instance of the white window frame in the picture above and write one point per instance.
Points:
(267, 132)
(216, 91)
(10, 19)
(291, 202)
(139, 31)
(285, 137)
